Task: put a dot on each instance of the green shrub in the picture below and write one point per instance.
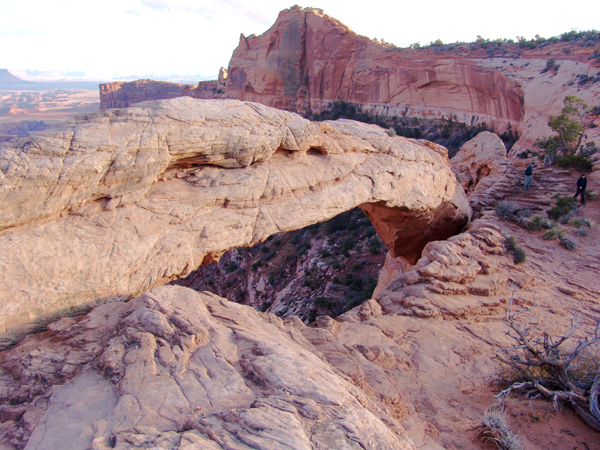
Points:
(564, 205)
(347, 245)
(591, 195)
(506, 209)
(553, 233)
(577, 162)
(568, 243)
(576, 222)
(519, 255)
(266, 306)
(511, 243)
(335, 265)
(325, 253)
(525, 212)
(323, 302)
(374, 249)
(536, 223)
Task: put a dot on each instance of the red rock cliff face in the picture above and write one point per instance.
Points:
(308, 59)
(123, 94)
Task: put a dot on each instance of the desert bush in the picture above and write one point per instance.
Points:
(519, 255)
(582, 232)
(552, 234)
(564, 205)
(577, 162)
(565, 219)
(552, 367)
(576, 222)
(511, 243)
(323, 302)
(591, 195)
(506, 209)
(535, 223)
(495, 429)
(567, 243)
(525, 212)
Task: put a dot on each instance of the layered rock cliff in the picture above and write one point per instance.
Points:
(121, 94)
(140, 196)
(307, 60)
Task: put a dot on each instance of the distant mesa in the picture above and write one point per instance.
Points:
(7, 79)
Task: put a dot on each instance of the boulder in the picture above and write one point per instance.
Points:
(484, 171)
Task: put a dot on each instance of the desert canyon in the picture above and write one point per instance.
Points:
(104, 216)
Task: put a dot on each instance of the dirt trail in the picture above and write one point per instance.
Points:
(564, 284)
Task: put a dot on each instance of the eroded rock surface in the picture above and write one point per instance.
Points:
(116, 202)
(484, 171)
(179, 369)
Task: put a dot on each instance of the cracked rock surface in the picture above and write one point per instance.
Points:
(185, 370)
(114, 203)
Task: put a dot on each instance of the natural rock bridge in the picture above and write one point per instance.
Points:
(113, 203)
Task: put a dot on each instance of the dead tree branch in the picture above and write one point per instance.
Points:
(544, 367)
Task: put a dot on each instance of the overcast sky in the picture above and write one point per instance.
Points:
(118, 38)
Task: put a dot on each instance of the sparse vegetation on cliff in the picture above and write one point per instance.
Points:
(567, 148)
(327, 269)
(564, 207)
(446, 131)
(519, 255)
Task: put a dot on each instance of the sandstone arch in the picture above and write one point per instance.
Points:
(115, 202)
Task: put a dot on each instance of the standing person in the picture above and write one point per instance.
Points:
(581, 185)
(528, 174)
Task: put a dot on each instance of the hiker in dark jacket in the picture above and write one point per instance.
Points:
(581, 185)
(528, 174)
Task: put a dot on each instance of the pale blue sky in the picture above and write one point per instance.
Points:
(185, 37)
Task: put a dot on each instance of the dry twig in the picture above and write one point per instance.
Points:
(546, 369)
